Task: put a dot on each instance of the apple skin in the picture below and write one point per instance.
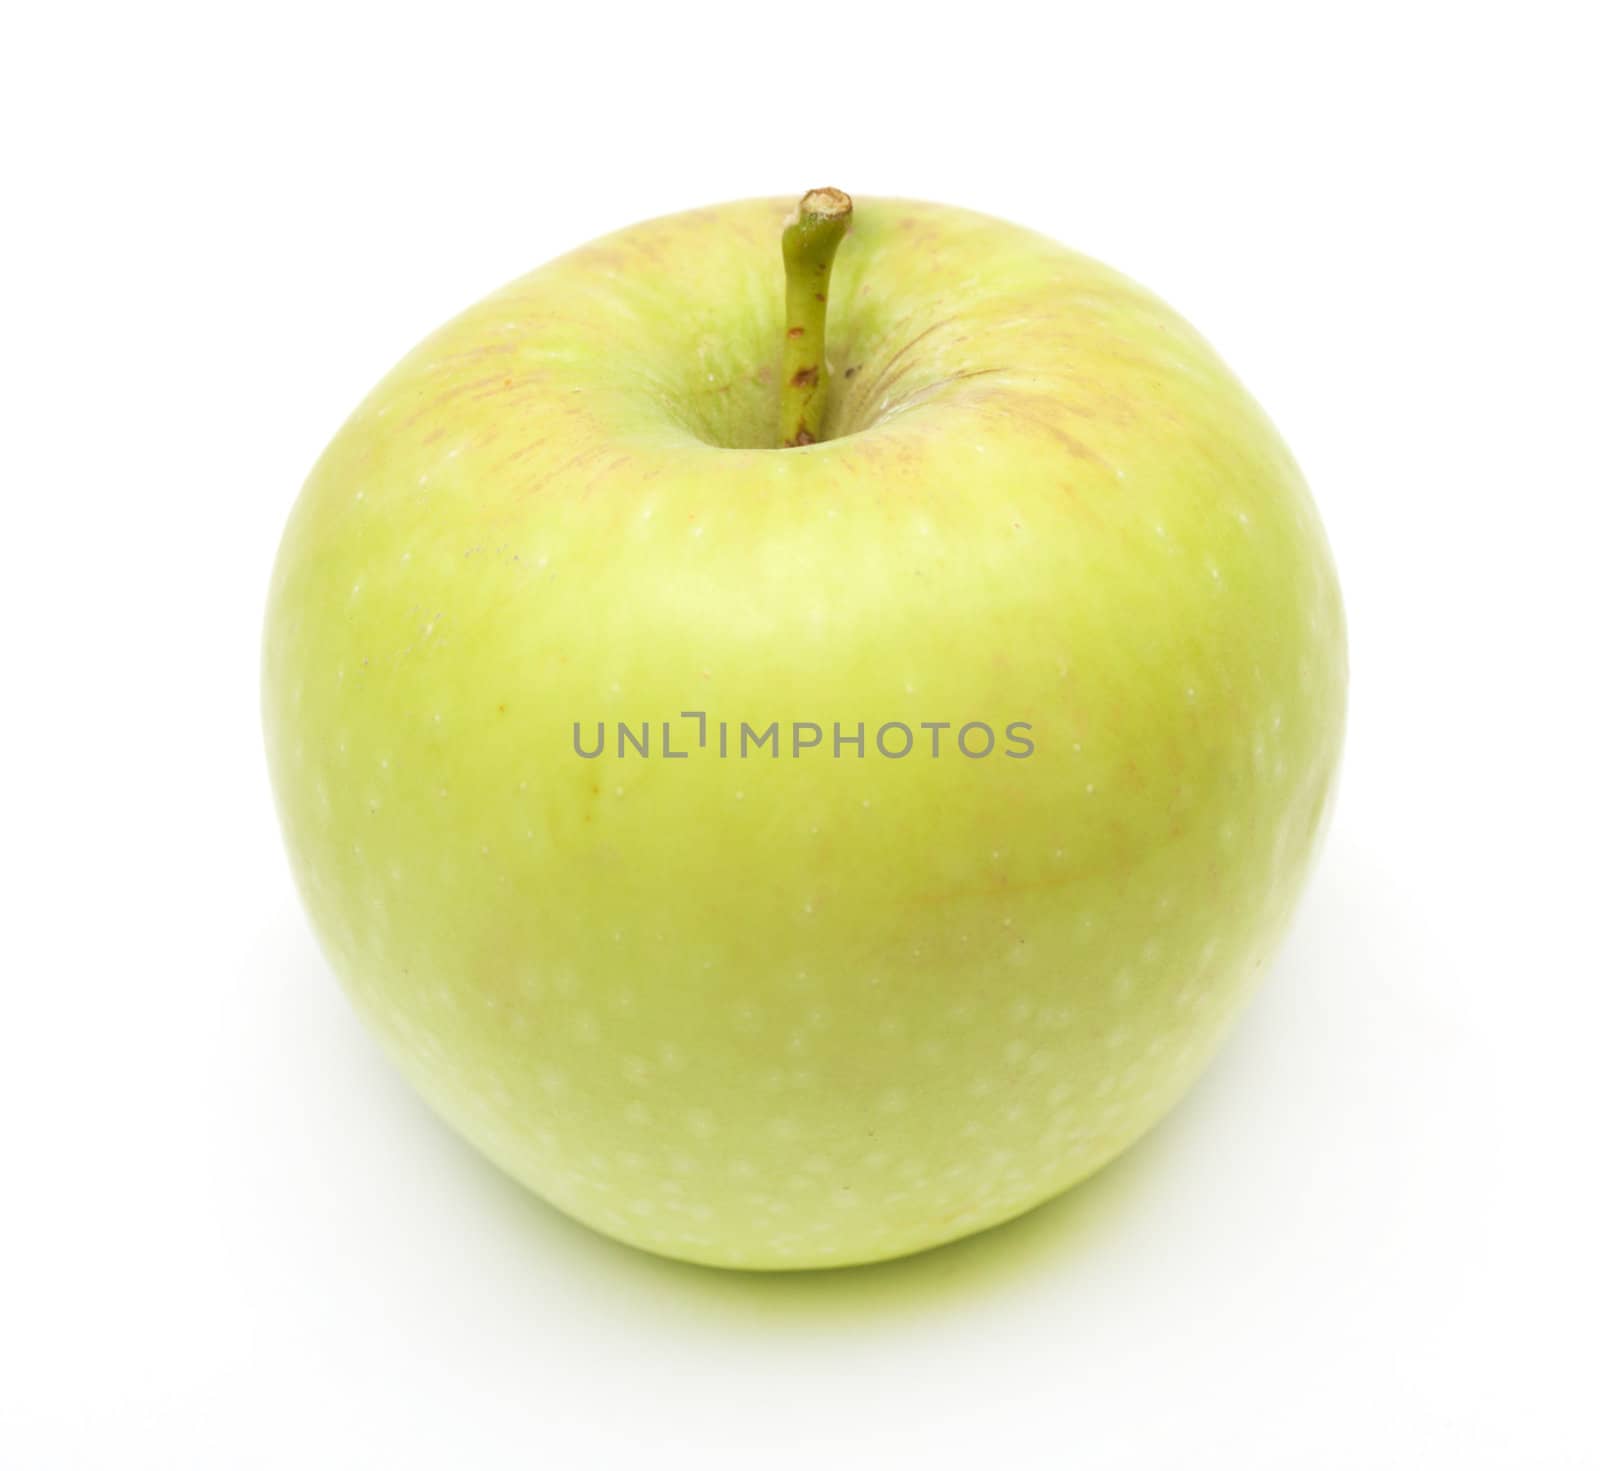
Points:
(800, 1012)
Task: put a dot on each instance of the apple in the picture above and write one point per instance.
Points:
(799, 739)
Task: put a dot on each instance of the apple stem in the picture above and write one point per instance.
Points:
(810, 240)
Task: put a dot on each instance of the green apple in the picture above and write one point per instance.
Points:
(873, 979)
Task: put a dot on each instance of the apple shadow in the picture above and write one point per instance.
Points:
(1061, 1234)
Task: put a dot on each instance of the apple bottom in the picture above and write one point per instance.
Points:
(684, 1170)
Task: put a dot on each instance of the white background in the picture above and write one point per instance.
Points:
(230, 1237)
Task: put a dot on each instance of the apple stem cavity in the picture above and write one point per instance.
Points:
(810, 241)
